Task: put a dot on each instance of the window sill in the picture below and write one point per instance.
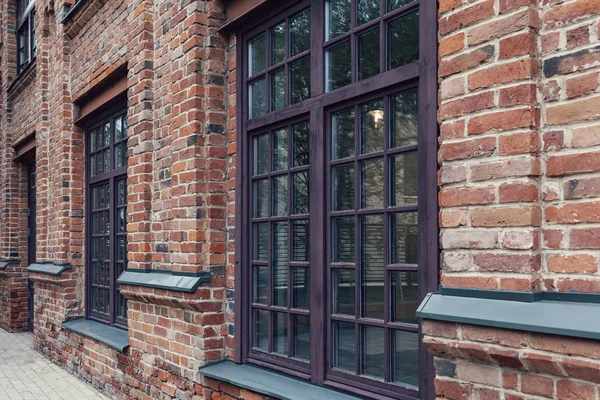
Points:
(565, 314)
(4, 264)
(167, 280)
(70, 11)
(269, 383)
(109, 335)
(48, 268)
(22, 77)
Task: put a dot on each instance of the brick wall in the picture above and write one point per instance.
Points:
(519, 122)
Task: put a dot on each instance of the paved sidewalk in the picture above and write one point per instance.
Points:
(25, 374)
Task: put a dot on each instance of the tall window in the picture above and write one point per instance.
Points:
(338, 237)
(106, 217)
(26, 44)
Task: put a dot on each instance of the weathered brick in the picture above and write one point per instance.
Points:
(506, 216)
(504, 121)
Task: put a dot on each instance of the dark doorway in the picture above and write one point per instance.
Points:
(31, 235)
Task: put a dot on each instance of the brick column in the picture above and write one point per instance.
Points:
(489, 145)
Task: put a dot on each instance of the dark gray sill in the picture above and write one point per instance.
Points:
(48, 268)
(269, 383)
(109, 335)
(179, 282)
(69, 11)
(5, 263)
(565, 314)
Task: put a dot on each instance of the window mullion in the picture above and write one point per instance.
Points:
(318, 278)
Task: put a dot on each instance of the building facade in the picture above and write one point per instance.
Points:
(247, 199)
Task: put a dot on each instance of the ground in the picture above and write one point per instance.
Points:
(26, 374)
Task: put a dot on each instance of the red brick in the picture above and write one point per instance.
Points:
(519, 143)
(451, 130)
(562, 345)
(550, 42)
(519, 45)
(504, 73)
(504, 121)
(515, 167)
(446, 5)
(467, 149)
(466, 105)
(520, 263)
(571, 390)
(574, 213)
(465, 61)
(585, 238)
(582, 188)
(578, 37)
(466, 17)
(537, 385)
(506, 216)
(518, 95)
(573, 264)
(582, 85)
(554, 140)
(576, 110)
(466, 196)
(500, 27)
(453, 390)
(452, 44)
(573, 11)
(586, 137)
(573, 163)
(517, 192)
(581, 369)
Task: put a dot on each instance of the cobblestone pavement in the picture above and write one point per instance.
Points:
(25, 374)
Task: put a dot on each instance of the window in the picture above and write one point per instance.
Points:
(337, 187)
(26, 43)
(106, 217)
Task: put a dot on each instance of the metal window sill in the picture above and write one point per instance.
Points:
(4, 264)
(269, 383)
(167, 280)
(48, 268)
(109, 335)
(564, 314)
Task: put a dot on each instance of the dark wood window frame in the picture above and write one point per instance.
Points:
(112, 178)
(421, 75)
(26, 42)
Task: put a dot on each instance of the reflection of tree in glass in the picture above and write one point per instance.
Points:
(343, 187)
(339, 66)
(300, 133)
(367, 11)
(405, 114)
(372, 124)
(343, 133)
(278, 44)
(368, 54)
(300, 201)
(338, 17)
(301, 80)
(300, 33)
(403, 39)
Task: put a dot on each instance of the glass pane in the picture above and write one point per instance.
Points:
(342, 127)
(301, 288)
(343, 239)
(367, 11)
(118, 156)
(278, 89)
(121, 220)
(405, 124)
(261, 241)
(344, 346)
(107, 160)
(300, 33)
(93, 140)
(258, 98)
(404, 178)
(261, 198)
(405, 296)
(338, 17)
(403, 40)
(300, 234)
(106, 134)
(121, 249)
(339, 66)
(300, 193)
(261, 154)
(343, 187)
(280, 150)
(257, 54)
(121, 192)
(395, 4)
(280, 333)
(371, 187)
(261, 329)
(344, 291)
(300, 132)
(118, 129)
(373, 360)
(124, 119)
(371, 127)
(301, 337)
(280, 263)
(261, 285)
(278, 44)
(300, 80)
(405, 238)
(405, 367)
(372, 256)
(280, 195)
(368, 54)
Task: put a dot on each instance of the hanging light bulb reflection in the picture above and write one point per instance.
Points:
(377, 116)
